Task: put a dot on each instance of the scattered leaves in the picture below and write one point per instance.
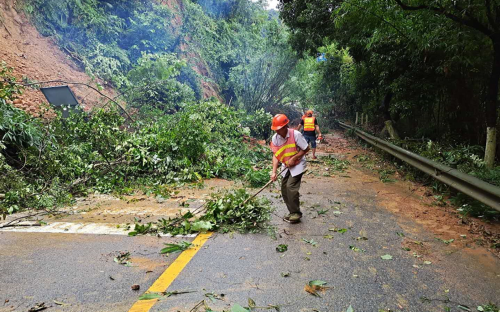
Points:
(386, 257)
(213, 296)
(123, 258)
(165, 294)
(311, 241)
(356, 249)
(342, 231)
(171, 248)
(282, 248)
(237, 308)
(38, 307)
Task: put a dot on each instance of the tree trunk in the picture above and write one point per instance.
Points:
(491, 144)
(391, 130)
(491, 106)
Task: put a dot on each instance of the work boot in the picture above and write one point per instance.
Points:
(293, 218)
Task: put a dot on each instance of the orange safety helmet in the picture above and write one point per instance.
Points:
(279, 121)
(309, 112)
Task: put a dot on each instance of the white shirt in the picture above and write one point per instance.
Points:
(301, 143)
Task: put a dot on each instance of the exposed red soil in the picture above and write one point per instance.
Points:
(414, 200)
(38, 58)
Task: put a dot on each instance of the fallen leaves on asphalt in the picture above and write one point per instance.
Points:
(314, 286)
(165, 294)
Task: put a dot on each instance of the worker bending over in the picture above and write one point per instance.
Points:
(289, 147)
(310, 125)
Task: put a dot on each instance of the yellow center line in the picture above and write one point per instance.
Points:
(171, 273)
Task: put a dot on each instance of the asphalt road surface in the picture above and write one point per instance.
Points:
(347, 229)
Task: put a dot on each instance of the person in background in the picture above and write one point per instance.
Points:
(310, 125)
(289, 148)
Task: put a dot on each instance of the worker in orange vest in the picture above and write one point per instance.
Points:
(289, 148)
(310, 125)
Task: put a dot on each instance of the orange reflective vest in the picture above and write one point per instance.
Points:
(287, 150)
(309, 124)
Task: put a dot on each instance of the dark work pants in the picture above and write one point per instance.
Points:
(290, 190)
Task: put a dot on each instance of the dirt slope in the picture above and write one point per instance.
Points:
(38, 58)
(209, 88)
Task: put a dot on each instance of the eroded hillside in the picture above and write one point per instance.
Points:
(37, 58)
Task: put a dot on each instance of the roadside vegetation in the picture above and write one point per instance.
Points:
(45, 163)
(428, 68)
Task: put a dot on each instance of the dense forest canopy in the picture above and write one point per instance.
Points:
(432, 67)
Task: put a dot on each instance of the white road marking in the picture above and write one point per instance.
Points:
(80, 228)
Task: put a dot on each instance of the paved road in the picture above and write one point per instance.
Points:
(248, 266)
(75, 269)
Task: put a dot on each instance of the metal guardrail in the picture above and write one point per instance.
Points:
(482, 191)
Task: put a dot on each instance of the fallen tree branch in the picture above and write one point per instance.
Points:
(15, 222)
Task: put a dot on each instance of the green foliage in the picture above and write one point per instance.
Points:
(43, 164)
(105, 37)
(335, 164)
(171, 248)
(257, 178)
(137, 47)
(223, 212)
(432, 70)
(227, 212)
(258, 122)
(488, 308)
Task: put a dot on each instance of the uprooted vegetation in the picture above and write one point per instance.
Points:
(43, 164)
(225, 212)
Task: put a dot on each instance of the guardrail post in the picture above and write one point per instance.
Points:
(357, 116)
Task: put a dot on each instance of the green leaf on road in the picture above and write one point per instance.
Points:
(171, 248)
(311, 241)
(251, 303)
(123, 259)
(356, 249)
(386, 257)
(282, 248)
(350, 309)
(150, 296)
(201, 226)
(342, 231)
(237, 308)
(317, 283)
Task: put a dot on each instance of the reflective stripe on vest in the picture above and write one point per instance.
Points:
(309, 124)
(286, 151)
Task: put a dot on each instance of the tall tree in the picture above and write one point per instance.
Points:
(483, 17)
